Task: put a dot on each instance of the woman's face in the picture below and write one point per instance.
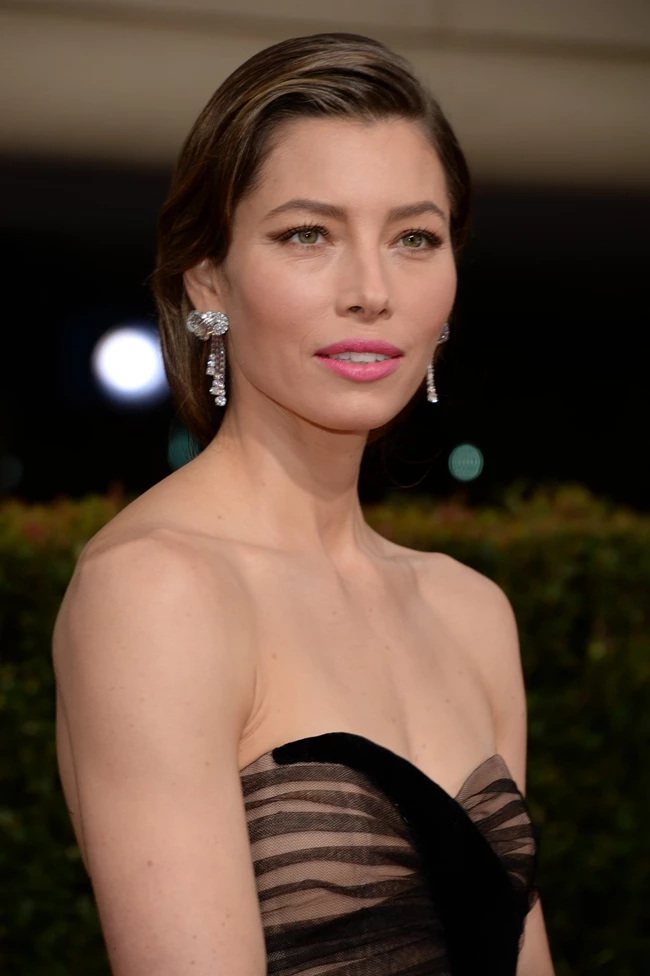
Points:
(302, 275)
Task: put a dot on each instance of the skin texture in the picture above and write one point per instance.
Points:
(243, 601)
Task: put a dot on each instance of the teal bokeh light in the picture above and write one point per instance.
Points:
(182, 446)
(465, 462)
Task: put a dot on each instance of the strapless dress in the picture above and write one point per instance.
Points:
(366, 867)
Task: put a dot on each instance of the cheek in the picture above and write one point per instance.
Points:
(431, 298)
(277, 313)
(276, 298)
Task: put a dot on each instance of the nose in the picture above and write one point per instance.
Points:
(364, 288)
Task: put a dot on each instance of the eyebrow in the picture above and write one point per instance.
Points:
(338, 213)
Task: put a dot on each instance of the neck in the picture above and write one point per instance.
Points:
(290, 484)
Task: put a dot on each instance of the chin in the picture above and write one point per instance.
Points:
(351, 421)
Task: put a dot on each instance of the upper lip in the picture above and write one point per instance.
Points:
(360, 345)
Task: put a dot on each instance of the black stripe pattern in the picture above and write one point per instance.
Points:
(366, 867)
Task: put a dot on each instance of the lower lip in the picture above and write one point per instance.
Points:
(361, 371)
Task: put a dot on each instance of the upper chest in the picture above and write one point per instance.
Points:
(377, 652)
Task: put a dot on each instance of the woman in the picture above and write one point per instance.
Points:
(289, 745)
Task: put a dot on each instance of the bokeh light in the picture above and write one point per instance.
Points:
(182, 446)
(128, 366)
(465, 462)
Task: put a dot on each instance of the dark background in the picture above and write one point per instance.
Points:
(546, 371)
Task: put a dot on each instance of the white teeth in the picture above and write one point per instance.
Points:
(359, 357)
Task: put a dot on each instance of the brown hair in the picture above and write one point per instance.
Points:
(335, 75)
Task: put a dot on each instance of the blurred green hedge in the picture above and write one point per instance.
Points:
(576, 571)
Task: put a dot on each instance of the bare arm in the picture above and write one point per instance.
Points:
(154, 692)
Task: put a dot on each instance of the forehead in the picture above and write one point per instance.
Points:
(350, 162)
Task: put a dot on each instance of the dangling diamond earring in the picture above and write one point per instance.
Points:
(212, 326)
(432, 394)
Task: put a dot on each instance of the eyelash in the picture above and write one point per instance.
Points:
(434, 239)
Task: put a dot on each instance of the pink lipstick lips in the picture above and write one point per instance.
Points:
(362, 371)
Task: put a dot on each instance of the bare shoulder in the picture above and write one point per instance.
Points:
(474, 608)
(157, 584)
(457, 588)
(146, 621)
(479, 614)
(154, 580)
(468, 593)
(163, 514)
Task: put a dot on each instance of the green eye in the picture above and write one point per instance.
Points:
(307, 236)
(421, 240)
(304, 236)
(418, 236)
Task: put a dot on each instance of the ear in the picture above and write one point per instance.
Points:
(203, 286)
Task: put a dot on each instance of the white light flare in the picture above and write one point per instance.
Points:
(128, 366)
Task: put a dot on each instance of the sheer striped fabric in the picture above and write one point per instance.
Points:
(366, 867)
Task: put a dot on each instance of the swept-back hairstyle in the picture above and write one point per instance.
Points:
(334, 75)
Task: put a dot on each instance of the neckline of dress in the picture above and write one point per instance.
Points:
(376, 745)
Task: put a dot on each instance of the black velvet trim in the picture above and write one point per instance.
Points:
(469, 885)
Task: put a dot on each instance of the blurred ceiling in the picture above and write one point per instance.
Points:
(538, 91)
